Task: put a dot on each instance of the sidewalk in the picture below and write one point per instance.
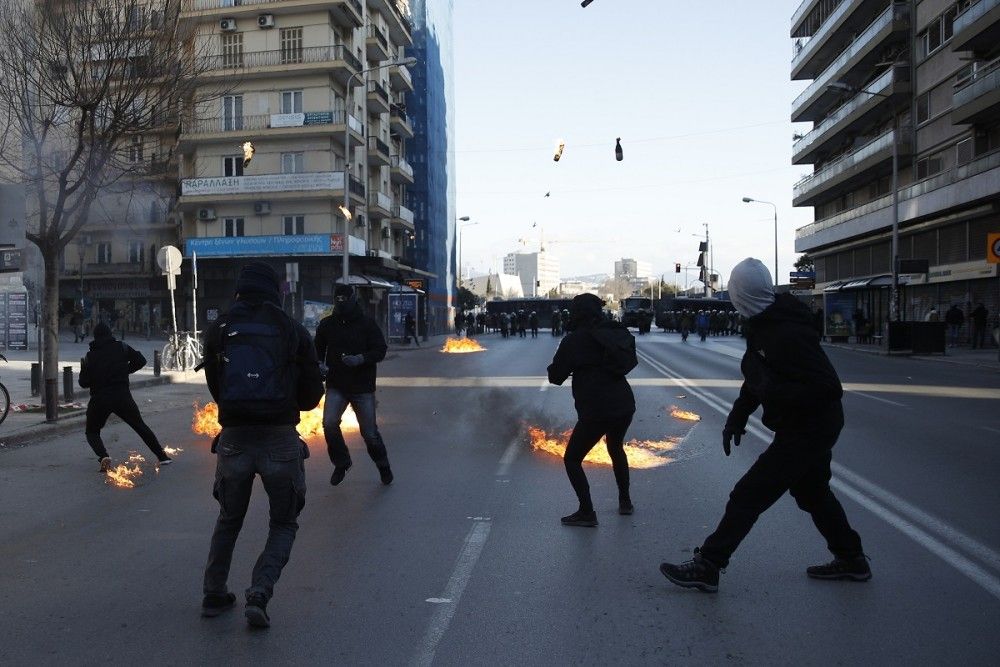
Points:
(954, 355)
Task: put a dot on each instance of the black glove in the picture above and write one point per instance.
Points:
(732, 435)
(353, 360)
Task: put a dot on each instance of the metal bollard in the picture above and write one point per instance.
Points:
(156, 363)
(36, 379)
(67, 383)
(51, 400)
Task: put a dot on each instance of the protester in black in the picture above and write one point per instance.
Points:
(786, 371)
(410, 329)
(979, 317)
(261, 369)
(598, 354)
(105, 372)
(350, 344)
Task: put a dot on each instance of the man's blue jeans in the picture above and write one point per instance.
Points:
(364, 408)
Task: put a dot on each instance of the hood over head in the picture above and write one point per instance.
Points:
(750, 287)
(258, 281)
(585, 309)
(345, 300)
(102, 332)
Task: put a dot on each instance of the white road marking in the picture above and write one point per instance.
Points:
(919, 534)
(545, 385)
(438, 600)
(991, 430)
(513, 449)
(880, 399)
(471, 551)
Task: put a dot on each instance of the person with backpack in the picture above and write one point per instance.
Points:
(105, 372)
(598, 354)
(786, 371)
(262, 371)
(351, 344)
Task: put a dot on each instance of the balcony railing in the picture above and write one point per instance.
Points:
(402, 165)
(262, 122)
(975, 82)
(402, 213)
(202, 5)
(973, 14)
(378, 146)
(289, 56)
(842, 164)
(876, 86)
(356, 187)
(375, 88)
(826, 77)
(375, 33)
(808, 46)
(381, 200)
(800, 12)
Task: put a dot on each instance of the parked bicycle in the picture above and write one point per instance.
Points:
(4, 398)
(182, 352)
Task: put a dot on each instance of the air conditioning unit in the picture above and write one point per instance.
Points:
(385, 232)
(265, 21)
(262, 207)
(227, 25)
(206, 214)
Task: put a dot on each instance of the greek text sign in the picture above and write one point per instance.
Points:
(234, 185)
(260, 246)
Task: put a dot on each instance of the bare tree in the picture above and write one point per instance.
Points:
(82, 84)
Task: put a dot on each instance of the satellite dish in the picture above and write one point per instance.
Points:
(169, 257)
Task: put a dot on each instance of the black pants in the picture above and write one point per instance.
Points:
(586, 434)
(276, 454)
(800, 464)
(118, 402)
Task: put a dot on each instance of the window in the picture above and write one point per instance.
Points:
(232, 165)
(294, 224)
(232, 112)
(291, 45)
(963, 150)
(233, 226)
(136, 252)
(292, 163)
(929, 166)
(103, 253)
(135, 149)
(291, 101)
(232, 49)
(923, 107)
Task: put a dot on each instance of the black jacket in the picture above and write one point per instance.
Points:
(786, 371)
(349, 334)
(306, 375)
(108, 365)
(600, 392)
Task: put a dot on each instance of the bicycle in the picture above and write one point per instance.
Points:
(4, 398)
(182, 352)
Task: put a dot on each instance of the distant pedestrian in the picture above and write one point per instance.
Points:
(533, 323)
(105, 372)
(598, 355)
(522, 324)
(786, 371)
(555, 323)
(504, 325)
(261, 370)
(932, 315)
(410, 329)
(459, 323)
(954, 318)
(979, 318)
(76, 323)
(351, 345)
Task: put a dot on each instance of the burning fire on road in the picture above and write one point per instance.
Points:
(642, 454)
(206, 420)
(461, 346)
(684, 415)
(124, 475)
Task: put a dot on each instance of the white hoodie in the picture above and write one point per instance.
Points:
(750, 287)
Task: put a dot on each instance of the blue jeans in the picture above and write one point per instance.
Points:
(276, 454)
(364, 408)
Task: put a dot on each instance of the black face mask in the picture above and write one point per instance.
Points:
(343, 305)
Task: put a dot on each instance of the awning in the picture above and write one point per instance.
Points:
(864, 283)
(365, 281)
(834, 286)
(405, 289)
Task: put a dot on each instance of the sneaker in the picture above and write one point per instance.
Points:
(580, 518)
(386, 475)
(256, 611)
(695, 573)
(338, 474)
(851, 569)
(625, 506)
(105, 464)
(214, 604)
(165, 461)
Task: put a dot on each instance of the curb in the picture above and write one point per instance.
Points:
(879, 353)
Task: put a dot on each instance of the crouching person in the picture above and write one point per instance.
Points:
(261, 369)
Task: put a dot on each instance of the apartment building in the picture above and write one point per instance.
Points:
(637, 273)
(290, 77)
(538, 271)
(920, 78)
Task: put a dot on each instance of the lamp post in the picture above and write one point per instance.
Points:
(461, 241)
(750, 200)
(346, 208)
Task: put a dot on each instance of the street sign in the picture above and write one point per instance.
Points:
(417, 283)
(993, 248)
(10, 260)
(802, 274)
(169, 260)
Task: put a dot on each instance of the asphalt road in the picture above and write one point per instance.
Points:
(463, 561)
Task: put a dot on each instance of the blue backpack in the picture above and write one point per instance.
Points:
(257, 362)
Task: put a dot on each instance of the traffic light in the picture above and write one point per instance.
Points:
(677, 267)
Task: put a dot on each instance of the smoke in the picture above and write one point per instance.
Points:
(502, 416)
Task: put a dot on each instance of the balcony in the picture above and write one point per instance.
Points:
(852, 116)
(400, 77)
(378, 153)
(977, 97)
(348, 13)
(402, 218)
(376, 43)
(337, 61)
(978, 27)
(378, 98)
(814, 54)
(798, 18)
(870, 160)
(307, 185)
(269, 126)
(853, 65)
(379, 206)
(398, 20)
(401, 171)
(399, 125)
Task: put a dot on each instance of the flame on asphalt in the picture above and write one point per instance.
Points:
(685, 415)
(205, 420)
(462, 346)
(124, 475)
(642, 454)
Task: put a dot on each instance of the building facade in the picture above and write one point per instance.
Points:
(538, 271)
(920, 79)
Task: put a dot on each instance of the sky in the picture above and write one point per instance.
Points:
(699, 93)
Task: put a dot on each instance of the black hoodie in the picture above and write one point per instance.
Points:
(108, 364)
(349, 334)
(600, 389)
(786, 371)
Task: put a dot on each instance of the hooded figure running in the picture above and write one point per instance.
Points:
(786, 371)
(598, 354)
(105, 372)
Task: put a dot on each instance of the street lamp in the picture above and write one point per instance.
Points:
(461, 240)
(749, 200)
(345, 209)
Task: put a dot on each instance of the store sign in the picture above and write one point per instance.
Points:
(235, 185)
(417, 283)
(10, 259)
(288, 119)
(318, 118)
(993, 248)
(260, 246)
